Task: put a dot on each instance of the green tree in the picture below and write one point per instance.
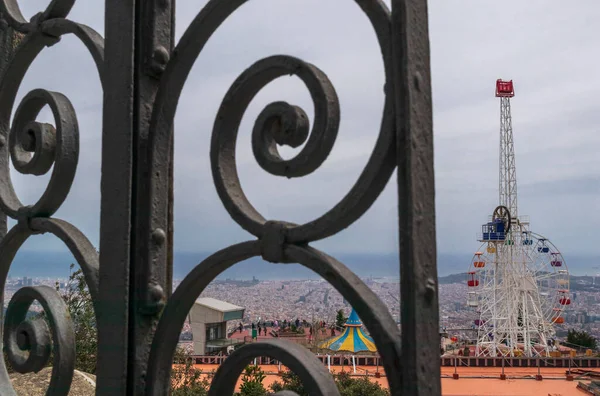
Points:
(340, 319)
(81, 308)
(291, 382)
(347, 385)
(252, 382)
(186, 380)
(360, 386)
(581, 338)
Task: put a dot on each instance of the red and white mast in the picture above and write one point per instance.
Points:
(508, 170)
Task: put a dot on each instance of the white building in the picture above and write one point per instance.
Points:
(208, 319)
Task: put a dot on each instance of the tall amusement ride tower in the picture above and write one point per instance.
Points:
(518, 281)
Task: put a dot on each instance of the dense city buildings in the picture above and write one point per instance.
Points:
(316, 300)
(309, 300)
(15, 283)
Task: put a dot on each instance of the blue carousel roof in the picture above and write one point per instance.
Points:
(353, 319)
(352, 339)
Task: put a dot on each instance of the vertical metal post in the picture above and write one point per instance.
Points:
(114, 360)
(416, 196)
(151, 270)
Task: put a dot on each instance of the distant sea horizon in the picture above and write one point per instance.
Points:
(55, 264)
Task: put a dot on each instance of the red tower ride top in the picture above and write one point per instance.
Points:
(504, 89)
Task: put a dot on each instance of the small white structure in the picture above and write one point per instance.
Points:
(208, 319)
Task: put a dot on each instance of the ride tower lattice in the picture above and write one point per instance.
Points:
(518, 281)
(508, 169)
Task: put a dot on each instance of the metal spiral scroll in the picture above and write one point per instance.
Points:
(278, 241)
(35, 148)
(296, 357)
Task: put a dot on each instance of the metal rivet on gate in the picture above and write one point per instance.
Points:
(161, 55)
(155, 293)
(159, 236)
(160, 58)
(430, 290)
(418, 81)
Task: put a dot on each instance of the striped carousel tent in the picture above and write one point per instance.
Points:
(352, 339)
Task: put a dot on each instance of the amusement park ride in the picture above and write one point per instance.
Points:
(518, 281)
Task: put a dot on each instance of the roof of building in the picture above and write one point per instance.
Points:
(519, 380)
(218, 305)
(352, 339)
(353, 319)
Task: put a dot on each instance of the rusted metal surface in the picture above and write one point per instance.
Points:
(151, 263)
(28, 343)
(116, 199)
(142, 76)
(416, 199)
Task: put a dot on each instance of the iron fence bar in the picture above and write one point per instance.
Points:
(141, 87)
(416, 195)
(114, 353)
(151, 266)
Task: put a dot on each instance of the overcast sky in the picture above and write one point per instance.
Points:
(549, 48)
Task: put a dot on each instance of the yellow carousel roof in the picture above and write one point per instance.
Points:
(353, 339)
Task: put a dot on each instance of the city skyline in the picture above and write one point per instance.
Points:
(316, 299)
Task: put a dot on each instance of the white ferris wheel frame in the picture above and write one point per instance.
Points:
(519, 295)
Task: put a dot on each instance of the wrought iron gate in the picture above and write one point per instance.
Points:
(142, 76)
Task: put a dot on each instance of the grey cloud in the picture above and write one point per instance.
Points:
(547, 47)
(551, 188)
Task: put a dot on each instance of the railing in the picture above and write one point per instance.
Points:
(457, 367)
(481, 361)
(142, 74)
(568, 368)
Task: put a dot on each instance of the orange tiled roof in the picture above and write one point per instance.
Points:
(520, 382)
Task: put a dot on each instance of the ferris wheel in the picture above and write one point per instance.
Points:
(518, 281)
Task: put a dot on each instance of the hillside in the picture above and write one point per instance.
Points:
(578, 283)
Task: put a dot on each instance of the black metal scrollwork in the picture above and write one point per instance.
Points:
(146, 30)
(294, 356)
(35, 148)
(278, 241)
(28, 341)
